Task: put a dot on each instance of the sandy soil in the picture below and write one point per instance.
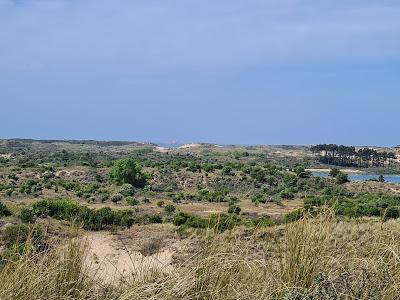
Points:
(161, 149)
(111, 262)
(134, 254)
(189, 146)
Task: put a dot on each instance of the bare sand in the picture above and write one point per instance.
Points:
(161, 149)
(193, 145)
(113, 261)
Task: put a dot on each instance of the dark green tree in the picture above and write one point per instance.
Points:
(128, 171)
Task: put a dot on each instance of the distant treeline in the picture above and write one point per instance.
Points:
(348, 156)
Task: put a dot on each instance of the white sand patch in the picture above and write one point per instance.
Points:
(113, 262)
(193, 145)
(161, 149)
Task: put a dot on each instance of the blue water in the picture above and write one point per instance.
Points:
(364, 177)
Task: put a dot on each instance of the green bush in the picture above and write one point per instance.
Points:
(222, 222)
(4, 211)
(132, 201)
(217, 222)
(342, 178)
(286, 194)
(294, 215)
(89, 218)
(126, 190)
(234, 209)
(117, 198)
(152, 219)
(365, 205)
(264, 221)
(180, 218)
(227, 170)
(160, 203)
(169, 208)
(128, 171)
(27, 215)
(392, 212)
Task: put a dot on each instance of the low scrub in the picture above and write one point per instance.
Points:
(217, 222)
(90, 219)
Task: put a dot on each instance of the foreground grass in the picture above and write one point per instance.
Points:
(318, 258)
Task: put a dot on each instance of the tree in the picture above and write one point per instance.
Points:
(127, 171)
(381, 178)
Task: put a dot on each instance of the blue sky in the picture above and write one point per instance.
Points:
(223, 71)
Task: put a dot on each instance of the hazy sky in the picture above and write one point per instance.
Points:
(225, 71)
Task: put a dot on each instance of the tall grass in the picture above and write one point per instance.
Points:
(313, 258)
(54, 274)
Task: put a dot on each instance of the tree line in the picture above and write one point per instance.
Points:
(348, 156)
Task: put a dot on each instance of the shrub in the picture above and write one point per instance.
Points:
(392, 213)
(152, 219)
(342, 178)
(126, 190)
(59, 209)
(132, 201)
(127, 171)
(290, 180)
(217, 222)
(160, 203)
(227, 170)
(294, 215)
(180, 218)
(27, 215)
(89, 218)
(233, 200)
(104, 197)
(286, 194)
(117, 198)
(222, 222)
(264, 221)
(234, 209)
(169, 208)
(4, 211)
